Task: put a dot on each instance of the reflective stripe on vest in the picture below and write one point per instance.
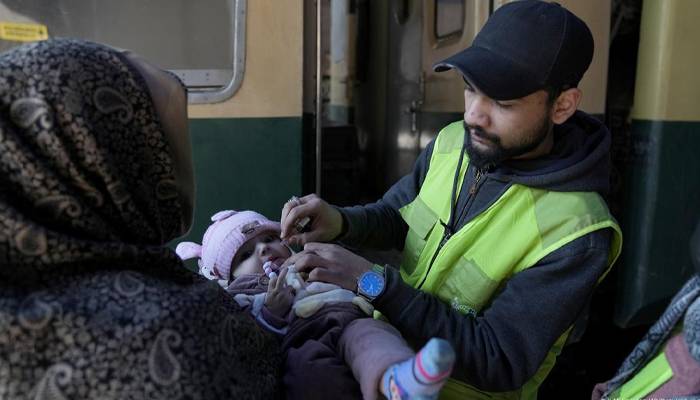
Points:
(514, 233)
(654, 374)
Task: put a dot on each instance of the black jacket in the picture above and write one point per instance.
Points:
(503, 346)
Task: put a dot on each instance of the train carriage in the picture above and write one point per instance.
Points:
(338, 97)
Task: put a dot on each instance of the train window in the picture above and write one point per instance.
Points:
(203, 44)
(449, 18)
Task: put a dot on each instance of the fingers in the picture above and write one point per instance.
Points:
(291, 260)
(272, 285)
(278, 289)
(321, 249)
(331, 276)
(338, 254)
(306, 261)
(295, 210)
(322, 275)
(285, 221)
(281, 279)
(348, 265)
(314, 255)
(295, 213)
(298, 239)
(310, 198)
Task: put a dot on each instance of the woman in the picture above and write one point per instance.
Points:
(95, 179)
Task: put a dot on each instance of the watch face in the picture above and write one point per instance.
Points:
(371, 284)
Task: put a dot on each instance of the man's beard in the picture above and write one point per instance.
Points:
(496, 153)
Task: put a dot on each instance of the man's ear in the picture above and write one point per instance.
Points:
(565, 105)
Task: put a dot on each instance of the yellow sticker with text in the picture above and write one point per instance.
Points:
(23, 32)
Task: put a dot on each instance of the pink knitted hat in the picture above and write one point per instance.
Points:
(230, 230)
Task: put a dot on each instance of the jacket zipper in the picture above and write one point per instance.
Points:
(475, 184)
(448, 229)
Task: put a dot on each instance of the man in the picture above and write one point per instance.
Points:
(502, 222)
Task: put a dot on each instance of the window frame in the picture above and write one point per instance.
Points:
(215, 84)
(220, 92)
(451, 35)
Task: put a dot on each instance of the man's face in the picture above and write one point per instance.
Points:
(502, 130)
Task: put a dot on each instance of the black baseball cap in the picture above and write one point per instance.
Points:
(525, 46)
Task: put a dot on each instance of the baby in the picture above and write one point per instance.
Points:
(243, 252)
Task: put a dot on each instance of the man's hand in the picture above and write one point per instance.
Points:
(326, 221)
(330, 263)
(279, 295)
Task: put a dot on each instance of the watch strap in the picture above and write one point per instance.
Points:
(379, 269)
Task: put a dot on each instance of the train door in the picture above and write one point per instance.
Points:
(403, 104)
(449, 26)
(404, 89)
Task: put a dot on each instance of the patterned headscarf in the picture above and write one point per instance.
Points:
(85, 172)
(92, 304)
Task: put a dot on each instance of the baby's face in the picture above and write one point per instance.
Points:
(249, 259)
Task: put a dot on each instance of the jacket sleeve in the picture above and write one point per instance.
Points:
(272, 322)
(255, 305)
(503, 346)
(379, 225)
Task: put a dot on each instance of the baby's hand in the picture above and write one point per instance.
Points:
(279, 295)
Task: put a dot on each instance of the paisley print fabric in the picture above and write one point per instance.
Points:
(92, 302)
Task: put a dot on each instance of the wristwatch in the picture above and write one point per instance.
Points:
(371, 284)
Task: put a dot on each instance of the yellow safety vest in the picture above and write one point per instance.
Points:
(514, 233)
